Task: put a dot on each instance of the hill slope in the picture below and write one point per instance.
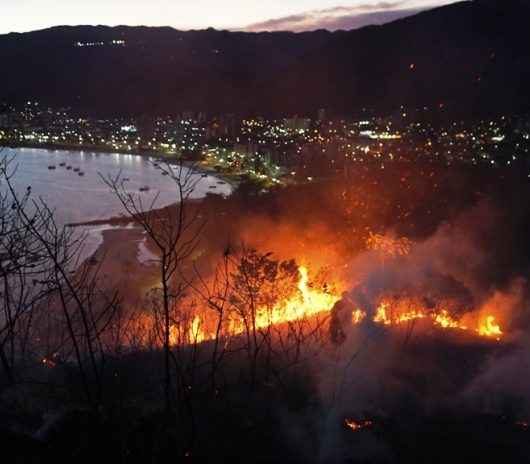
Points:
(472, 57)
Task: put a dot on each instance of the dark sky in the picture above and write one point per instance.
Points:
(27, 15)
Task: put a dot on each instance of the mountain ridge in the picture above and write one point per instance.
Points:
(469, 57)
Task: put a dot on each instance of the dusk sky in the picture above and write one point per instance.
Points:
(297, 15)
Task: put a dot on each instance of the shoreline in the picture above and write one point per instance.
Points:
(94, 148)
(119, 263)
(199, 166)
(124, 220)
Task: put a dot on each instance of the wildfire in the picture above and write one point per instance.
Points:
(357, 316)
(394, 314)
(488, 328)
(380, 315)
(358, 425)
(444, 320)
(196, 334)
(398, 317)
(310, 301)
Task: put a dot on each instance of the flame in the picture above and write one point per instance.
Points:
(358, 425)
(410, 316)
(380, 315)
(488, 328)
(308, 302)
(383, 315)
(444, 320)
(357, 316)
(196, 334)
(398, 317)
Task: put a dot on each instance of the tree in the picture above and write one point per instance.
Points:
(42, 276)
(175, 232)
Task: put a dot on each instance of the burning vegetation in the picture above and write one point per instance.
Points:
(359, 304)
(308, 301)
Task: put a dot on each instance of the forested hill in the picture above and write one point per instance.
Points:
(469, 58)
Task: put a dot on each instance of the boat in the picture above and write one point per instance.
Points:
(164, 173)
(204, 175)
(51, 166)
(80, 173)
(76, 169)
(144, 189)
(62, 164)
(213, 186)
(68, 167)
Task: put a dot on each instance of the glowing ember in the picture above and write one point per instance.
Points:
(48, 362)
(388, 245)
(358, 425)
(357, 316)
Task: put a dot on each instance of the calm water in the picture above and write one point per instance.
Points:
(78, 199)
(86, 198)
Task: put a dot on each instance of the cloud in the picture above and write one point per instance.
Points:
(340, 17)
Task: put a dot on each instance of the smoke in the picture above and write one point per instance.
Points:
(503, 386)
(469, 253)
(418, 371)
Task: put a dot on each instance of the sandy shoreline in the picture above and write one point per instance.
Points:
(121, 265)
(120, 246)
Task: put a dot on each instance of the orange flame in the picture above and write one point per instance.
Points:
(309, 302)
(358, 425)
(444, 320)
(196, 334)
(487, 328)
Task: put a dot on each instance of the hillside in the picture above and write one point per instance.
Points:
(470, 57)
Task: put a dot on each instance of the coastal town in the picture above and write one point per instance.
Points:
(279, 151)
(265, 232)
